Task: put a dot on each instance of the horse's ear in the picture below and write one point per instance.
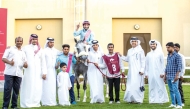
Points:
(75, 40)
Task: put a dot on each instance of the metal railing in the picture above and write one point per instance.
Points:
(186, 68)
(79, 12)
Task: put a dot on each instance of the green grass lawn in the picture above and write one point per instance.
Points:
(123, 105)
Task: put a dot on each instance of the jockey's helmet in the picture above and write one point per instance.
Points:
(86, 22)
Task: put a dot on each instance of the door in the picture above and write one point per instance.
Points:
(143, 37)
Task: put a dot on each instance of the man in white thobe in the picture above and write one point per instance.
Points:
(135, 79)
(94, 76)
(154, 71)
(49, 84)
(31, 86)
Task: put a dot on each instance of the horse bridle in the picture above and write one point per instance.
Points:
(78, 51)
(78, 48)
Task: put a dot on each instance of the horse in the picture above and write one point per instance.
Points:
(81, 52)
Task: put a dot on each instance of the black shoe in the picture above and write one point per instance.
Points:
(15, 108)
(4, 108)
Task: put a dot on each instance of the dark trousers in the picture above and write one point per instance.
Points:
(114, 82)
(12, 84)
(71, 91)
(181, 91)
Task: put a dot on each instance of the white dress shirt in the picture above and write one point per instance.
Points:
(183, 65)
(19, 57)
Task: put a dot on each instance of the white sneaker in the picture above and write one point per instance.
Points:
(182, 104)
(118, 102)
(172, 105)
(111, 102)
(178, 107)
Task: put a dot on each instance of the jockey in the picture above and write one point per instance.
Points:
(85, 34)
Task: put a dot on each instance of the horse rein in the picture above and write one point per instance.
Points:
(122, 79)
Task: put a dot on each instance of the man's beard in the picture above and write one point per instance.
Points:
(153, 49)
(95, 49)
(133, 46)
(34, 43)
(50, 46)
(170, 51)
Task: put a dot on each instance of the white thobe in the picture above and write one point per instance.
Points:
(64, 83)
(182, 73)
(136, 62)
(154, 68)
(49, 84)
(95, 78)
(31, 86)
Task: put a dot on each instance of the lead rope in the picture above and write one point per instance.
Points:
(124, 82)
(123, 77)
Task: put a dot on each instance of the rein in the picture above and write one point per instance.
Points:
(122, 79)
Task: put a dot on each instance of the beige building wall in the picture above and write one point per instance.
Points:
(49, 28)
(39, 10)
(175, 15)
(0, 3)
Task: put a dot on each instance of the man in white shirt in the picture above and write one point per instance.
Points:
(14, 59)
(177, 49)
(113, 64)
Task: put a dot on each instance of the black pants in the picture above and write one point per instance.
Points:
(181, 91)
(12, 84)
(116, 83)
(71, 91)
